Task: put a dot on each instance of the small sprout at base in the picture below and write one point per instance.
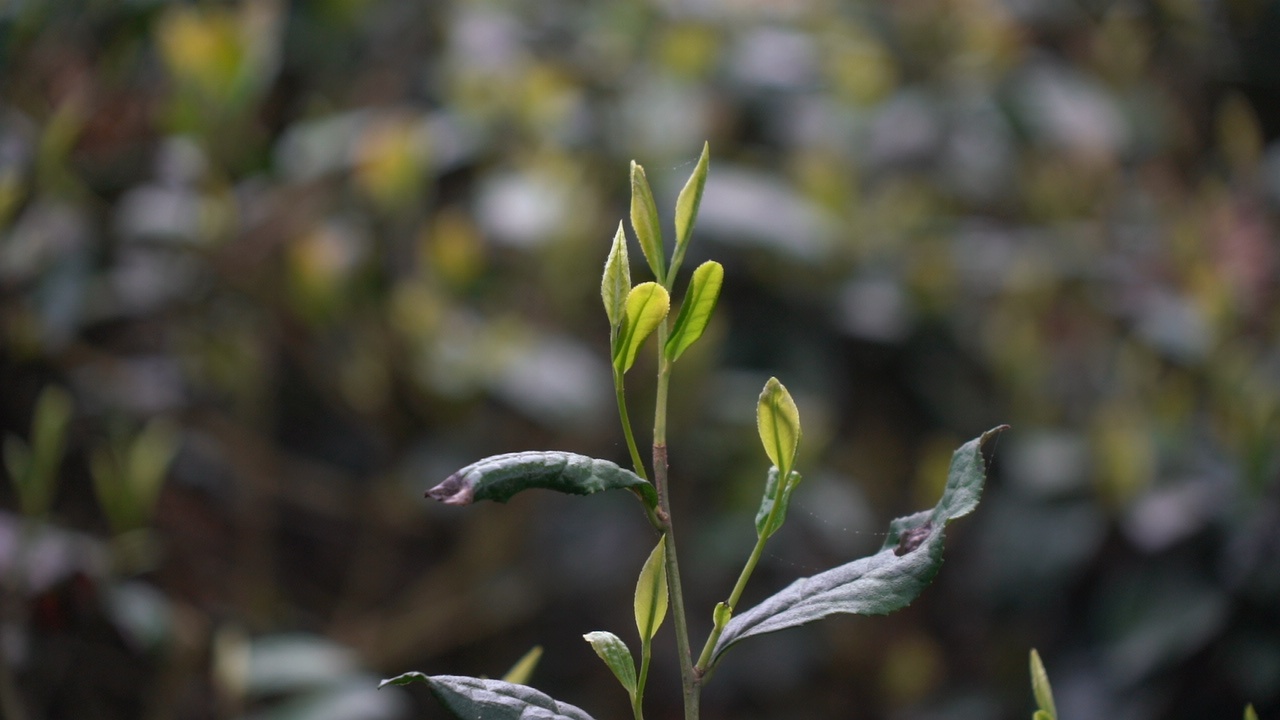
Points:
(644, 220)
(778, 421)
(616, 283)
(520, 673)
(1041, 689)
(722, 614)
(651, 592)
(613, 651)
(647, 306)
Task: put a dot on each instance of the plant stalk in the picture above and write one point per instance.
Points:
(688, 678)
(637, 700)
(626, 424)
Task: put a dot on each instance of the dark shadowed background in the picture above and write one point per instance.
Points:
(294, 262)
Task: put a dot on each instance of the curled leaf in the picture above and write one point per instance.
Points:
(647, 306)
(499, 477)
(767, 523)
(468, 698)
(651, 592)
(778, 421)
(644, 220)
(613, 651)
(881, 583)
(695, 311)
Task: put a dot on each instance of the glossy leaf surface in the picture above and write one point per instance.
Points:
(695, 311)
(647, 306)
(614, 652)
(469, 698)
(881, 583)
(499, 477)
(651, 592)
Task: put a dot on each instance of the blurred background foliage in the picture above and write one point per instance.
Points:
(268, 270)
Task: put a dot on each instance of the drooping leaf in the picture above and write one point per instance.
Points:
(647, 306)
(687, 206)
(520, 673)
(1040, 687)
(616, 283)
(499, 477)
(881, 583)
(778, 421)
(613, 651)
(772, 496)
(695, 311)
(644, 220)
(469, 698)
(651, 592)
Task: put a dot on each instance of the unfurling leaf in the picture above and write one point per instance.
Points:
(779, 423)
(644, 220)
(1041, 689)
(687, 207)
(765, 525)
(615, 654)
(520, 673)
(881, 583)
(647, 306)
(651, 592)
(695, 311)
(499, 477)
(469, 698)
(616, 282)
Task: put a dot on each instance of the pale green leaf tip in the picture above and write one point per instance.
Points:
(520, 673)
(1250, 713)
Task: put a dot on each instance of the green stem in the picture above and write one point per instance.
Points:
(626, 424)
(689, 680)
(637, 700)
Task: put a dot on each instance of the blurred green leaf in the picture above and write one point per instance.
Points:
(615, 654)
(651, 592)
(695, 311)
(469, 698)
(499, 477)
(520, 673)
(647, 306)
(1041, 689)
(644, 220)
(778, 421)
(616, 283)
(1250, 713)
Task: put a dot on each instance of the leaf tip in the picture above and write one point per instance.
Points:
(455, 490)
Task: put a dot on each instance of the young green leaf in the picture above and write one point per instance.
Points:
(695, 311)
(1042, 715)
(469, 698)
(647, 306)
(779, 423)
(644, 220)
(1040, 687)
(1249, 713)
(881, 583)
(615, 654)
(499, 477)
(772, 496)
(616, 282)
(687, 207)
(520, 673)
(651, 592)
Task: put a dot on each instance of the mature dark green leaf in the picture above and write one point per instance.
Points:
(695, 311)
(765, 528)
(651, 592)
(616, 282)
(499, 477)
(644, 220)
(647, 306)
(469, 698)
(881, 583)
(687, 208)
(615, 654)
